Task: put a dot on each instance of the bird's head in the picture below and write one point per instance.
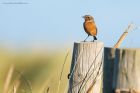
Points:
(88, 18)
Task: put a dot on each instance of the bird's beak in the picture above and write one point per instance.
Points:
(83, 16)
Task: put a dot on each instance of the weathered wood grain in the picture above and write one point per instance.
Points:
(121, 70)
(127, 70)
(108, 69)
(85, 66)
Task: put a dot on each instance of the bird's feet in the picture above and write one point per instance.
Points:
(94, 38)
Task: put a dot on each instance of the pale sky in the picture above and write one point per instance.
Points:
(54, 23)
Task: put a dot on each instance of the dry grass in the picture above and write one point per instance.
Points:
(8, 79)
(33, 73)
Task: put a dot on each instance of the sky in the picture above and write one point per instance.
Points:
(59, 23)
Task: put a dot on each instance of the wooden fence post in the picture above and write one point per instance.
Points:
(127, 71)
(121, 70)
(86, 68)
(108, 69)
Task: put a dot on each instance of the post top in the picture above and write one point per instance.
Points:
(123, 48)
(88, 42)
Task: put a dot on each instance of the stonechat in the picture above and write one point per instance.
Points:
(90, 27)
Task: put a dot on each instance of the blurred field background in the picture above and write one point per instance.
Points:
(34, 72)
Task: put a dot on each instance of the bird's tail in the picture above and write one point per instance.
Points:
(95, 38)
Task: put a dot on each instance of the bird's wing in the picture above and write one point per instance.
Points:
(90, 28)
(96, 30)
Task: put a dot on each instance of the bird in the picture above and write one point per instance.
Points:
(90, 27)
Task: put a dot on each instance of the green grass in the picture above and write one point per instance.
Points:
(36, 72)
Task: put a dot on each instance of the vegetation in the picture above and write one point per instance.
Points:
(33, 72)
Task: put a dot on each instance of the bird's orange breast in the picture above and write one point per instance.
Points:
(90, 28)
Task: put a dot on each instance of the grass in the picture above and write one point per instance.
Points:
(33, 72)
